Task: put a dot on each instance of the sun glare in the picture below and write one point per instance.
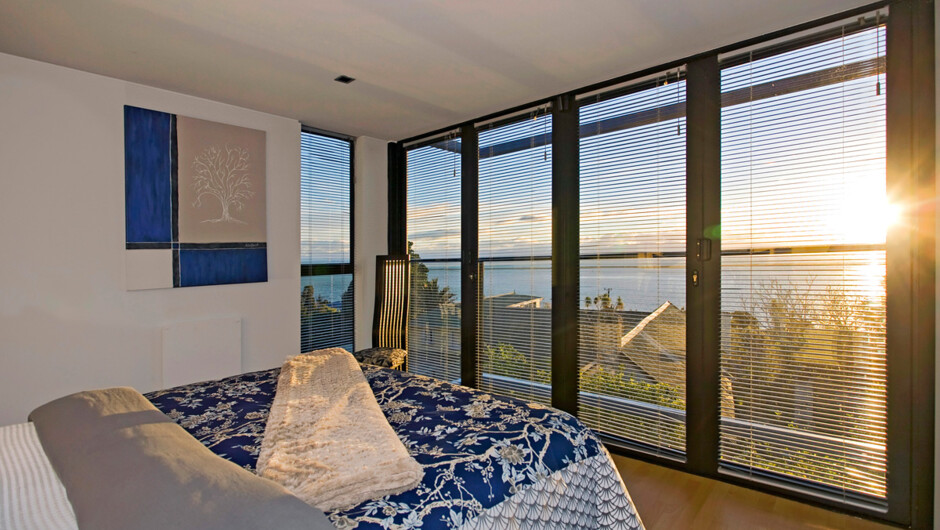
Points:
(866, 214)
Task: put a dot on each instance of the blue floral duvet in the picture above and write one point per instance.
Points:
(478, 451)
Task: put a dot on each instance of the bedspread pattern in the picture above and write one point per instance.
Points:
(228, 416)
(476, 450)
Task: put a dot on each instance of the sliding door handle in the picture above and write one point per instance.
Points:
(703, 249)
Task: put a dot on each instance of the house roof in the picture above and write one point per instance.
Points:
(419, 65)
(514, 300)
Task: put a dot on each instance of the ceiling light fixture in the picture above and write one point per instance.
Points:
(345, 79)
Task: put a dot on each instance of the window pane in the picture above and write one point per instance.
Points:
(515, 246)
(434, 322)
(324, 199)
(632, 319)
(326, 312)
(804, 214)
(434, 244)
(326, 301)
(434, 200)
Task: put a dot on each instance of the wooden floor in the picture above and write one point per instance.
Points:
(670, 499)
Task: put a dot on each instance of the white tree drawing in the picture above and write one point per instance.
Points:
(223, 174)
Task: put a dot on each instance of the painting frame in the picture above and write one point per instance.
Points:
(195, 201)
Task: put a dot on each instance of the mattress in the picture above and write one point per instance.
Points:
(31, 496)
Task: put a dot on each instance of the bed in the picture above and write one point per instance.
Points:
(489, 461)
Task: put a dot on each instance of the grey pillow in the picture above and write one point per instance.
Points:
(126, 465)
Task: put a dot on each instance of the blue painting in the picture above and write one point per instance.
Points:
(194, 195)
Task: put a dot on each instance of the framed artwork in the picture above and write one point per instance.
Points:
(194, 199)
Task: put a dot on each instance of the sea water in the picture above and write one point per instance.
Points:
(643, 284)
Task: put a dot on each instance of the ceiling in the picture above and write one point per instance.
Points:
(419, 65)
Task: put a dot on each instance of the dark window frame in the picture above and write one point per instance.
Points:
(329, 269)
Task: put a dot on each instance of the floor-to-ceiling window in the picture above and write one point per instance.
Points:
(514, 266)
(326, 283)
(804, 216)
(743, 308)
(633, 231)
(433, 231)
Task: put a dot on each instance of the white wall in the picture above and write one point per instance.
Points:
(371, 227)
(66, 322)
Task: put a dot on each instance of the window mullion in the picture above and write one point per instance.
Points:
(703, 268)
(397, 200)
(911, 269)
(469, 245)
(565, 253)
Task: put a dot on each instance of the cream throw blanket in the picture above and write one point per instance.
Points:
(327, 440)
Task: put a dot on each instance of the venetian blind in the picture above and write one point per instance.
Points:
(632, 318)
(515, 246)
(433, 226)
(804, 214)
(326, 272)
